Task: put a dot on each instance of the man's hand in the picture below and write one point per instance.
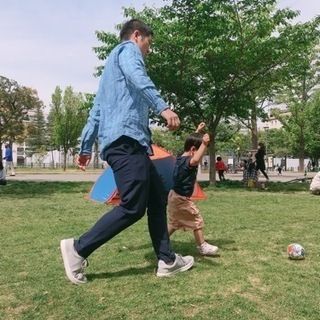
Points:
(83, 160)
(172, 119)
(201, 126)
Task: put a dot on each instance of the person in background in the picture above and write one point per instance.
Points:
(120, 118)
(245, 175)
(3, 181)
(260, 162)
(279, 170)
(9, 160)
(221, 168)
(252, 174)
(183, 213)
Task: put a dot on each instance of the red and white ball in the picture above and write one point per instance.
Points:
(296, 251)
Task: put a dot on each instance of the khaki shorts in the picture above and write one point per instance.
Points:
(183, 213)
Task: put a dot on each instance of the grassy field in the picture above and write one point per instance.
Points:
(252, 278)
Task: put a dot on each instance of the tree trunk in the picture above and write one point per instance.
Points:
(254, 132)
(65, 160)
(301, 157)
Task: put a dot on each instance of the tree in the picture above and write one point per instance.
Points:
(313, 127)
(305, 75)
(15, 102)
(67, 120)
(37, 139)
(215, 59)
(168, 140)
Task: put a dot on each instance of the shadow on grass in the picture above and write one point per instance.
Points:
(152, 266)
(32, 189)
(122, 273)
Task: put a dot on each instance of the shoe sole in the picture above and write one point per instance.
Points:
(182, 269)
(63, 247)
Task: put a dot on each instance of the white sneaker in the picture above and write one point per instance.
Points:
(180, 264)
(207, 249)
(73, 263)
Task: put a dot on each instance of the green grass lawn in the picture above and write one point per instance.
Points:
(252, 278)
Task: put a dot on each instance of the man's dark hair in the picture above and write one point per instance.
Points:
(194, 140)
(134, 24)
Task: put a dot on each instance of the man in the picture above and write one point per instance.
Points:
(120, 119)
(9, 160)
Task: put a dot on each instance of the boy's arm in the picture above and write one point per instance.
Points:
(200, 128)
(196, 159)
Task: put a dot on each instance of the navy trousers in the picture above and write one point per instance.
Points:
(141, 188)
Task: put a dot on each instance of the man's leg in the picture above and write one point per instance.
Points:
(157, 217)
(129, 162)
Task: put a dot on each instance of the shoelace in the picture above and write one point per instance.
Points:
(79, 274)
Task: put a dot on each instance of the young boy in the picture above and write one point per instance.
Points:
(183, 213)
(221, 168)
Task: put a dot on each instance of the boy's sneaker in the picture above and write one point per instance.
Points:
(180, 264)
(207, 249)
(73, 263)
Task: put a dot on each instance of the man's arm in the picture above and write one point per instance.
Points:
(133, 68)
(172, 119)
(83, 160)
(89, 133)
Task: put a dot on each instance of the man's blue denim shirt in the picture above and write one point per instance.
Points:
(122, 103)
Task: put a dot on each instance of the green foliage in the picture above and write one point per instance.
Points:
(67, 118)
(37, 139)
(216, 59)
(88, 101)
(168, 140)
(297, 94)
(313, 126)
(15, 102)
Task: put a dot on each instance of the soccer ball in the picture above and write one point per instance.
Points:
(296, 251)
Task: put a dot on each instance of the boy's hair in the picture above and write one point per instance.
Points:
(134, 24)
(193, 140)
(219, 158)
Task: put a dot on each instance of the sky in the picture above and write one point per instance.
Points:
(48, 43)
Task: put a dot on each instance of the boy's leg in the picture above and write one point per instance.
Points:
(171, 230)
(199, 237)
(203, 247)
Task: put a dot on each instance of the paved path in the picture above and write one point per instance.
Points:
(273, 176)
(93, 176)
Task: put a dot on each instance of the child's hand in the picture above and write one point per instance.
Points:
(206, 139)
(200, 127)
